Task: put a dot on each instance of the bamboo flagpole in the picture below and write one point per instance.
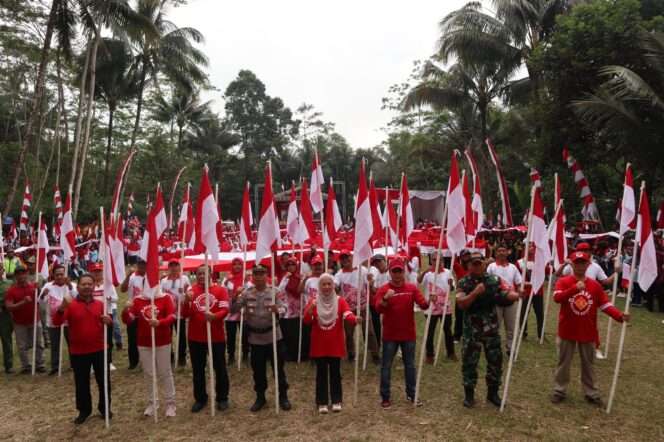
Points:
(179, 313)
(367, 318)
(238, 347)
(208, 330)
(62, 336)
(547, 299)
(154, 356)
(102, 247)
(357, 331)
(518, 309)
(439, 342)
(275, 358)
(302, 297)
(34, 316)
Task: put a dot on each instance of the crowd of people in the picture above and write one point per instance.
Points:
(313, 306)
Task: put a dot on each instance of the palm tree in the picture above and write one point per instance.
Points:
(184, 109)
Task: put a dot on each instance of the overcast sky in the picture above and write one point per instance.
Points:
(341, 56)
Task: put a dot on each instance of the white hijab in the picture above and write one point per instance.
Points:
(327, 307)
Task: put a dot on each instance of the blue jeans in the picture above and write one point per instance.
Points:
(408, 354)
(117, 333)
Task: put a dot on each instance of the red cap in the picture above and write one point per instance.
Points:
(317, 259)
(397, 263)
(577, 256)
(93, 267)
(345, 252)
(584, 246)
(173, 262)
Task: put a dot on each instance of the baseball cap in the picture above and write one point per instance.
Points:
(93, 267)
(584, 246)
(578, 256)
(476, 256)
(317, 259)
(173, 262)
(397, 263)
(259, 269)
(464, 252)
(378, 257)
(344, 252)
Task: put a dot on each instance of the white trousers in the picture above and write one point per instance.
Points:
(164, 372)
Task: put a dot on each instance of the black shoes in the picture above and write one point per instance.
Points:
(198, 406)
(284, 404)
(81, 418)
(469, 398)
(596, 401)
(492, 396)
(258, 405)
(53, 371)
(222, 405)
(41, 370)
(132, 366)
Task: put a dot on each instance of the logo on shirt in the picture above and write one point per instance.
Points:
(146, 312)
(581, 303)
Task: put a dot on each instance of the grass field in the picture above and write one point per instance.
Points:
(42, 408)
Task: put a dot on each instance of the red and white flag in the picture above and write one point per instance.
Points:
(247, 219)
(405, 212)
(317, 183)
(647, 254)
(115, 203)
(207, 216)
(308, 229)
(375, 211)
(478, 211)
(660, 216)
(589, 210)
(130, 204)
(13, 234)
(268, 225)
(456, 209)
(57, 200)
(292, 220)
(27, 199)
(535, 177)
(332, 217)
(43, 248)
(557, 227)
(502, 186)
(540, 238)
(390, 219)
(114, 263)
(160, 221)
(628, 203)
(363, 225)
(468, 217)
(151, 238)
(186, 221)
(67, 232)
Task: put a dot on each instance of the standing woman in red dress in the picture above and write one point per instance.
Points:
(326, 313)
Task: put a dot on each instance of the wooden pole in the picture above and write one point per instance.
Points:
(518, 309)
(238, 348)
(179, 313)
(357, 331)
(102, 249)
(439, 342)
(208, 328)
(275, 358)
(547, 299)
(62, 338)
(34, 316)
(302, 296)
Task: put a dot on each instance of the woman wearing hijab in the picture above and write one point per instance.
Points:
(326, 313)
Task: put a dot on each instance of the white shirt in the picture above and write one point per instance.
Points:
(111, 299)
(311, 289)
(52, 301)
(176, 288)
(135, 286)
(346, 282)
(509, 274)
(380, 279)
(594, 271)
(439, 285)
(414, 269)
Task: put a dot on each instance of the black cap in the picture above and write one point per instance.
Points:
(464, 252)
(476, 256)
(259, 269)
(378, 257)
(20, 269)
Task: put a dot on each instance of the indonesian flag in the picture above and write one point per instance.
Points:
(456, 208)
(130, 203)
(332, 217)
(628, 203)
(115, 204)
(114, 264)
(292, 220)
(406, 212)
(535, 177)
(375, 211)
(57, 199)
(363, 225)
(306, 215)
(186, 221)
(151, 238)
(648, 257)
(160, 224)
(246, 220)
(502, 186)
(67, 232)
(540, 238)
(42, 251)
(390, 219)
(268, 225)
(660, 216)
(478, 211)
(468, 217)
(13, 234)
(589, 210)
(207, 216)
(317, 182)
(557, 236)
(25, 219)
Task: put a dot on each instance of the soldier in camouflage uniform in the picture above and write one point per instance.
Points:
(478, 295)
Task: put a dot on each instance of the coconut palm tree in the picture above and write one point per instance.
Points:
(184, 109)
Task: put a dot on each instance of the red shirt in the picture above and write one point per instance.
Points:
(86, 329)
(24, 315)
(577, 320)
(195, 311)
(141, 311)
(459, 270)
(398, 315)
(330, 343)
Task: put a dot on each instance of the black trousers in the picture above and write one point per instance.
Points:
(260, 354)
(54, 335)
(232, 329)
(306, 341)
(290, 328)
(81, 365)
(375, 321)
(458, 323)
(198, 352)
(447, 330)
(328, 374)
(538, 306)
(182, 345)
(132, 347)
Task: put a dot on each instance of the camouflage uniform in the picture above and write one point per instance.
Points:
(481, 328)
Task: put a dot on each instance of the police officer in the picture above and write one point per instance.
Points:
(478, 295)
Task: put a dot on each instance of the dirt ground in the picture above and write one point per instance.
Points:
(42, 408)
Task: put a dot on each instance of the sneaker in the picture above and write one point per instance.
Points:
(81, 418)
(170, 410)
(132, 366)
(111, 367)
(412, 400)
(258, 404)
(285, 404)
(53, 371)
(596, 401)
(336, 407)
(41, 370)
(222, 405)
(557, 398)
(453, 357)
(149, 411)
(198, 406)
(26, 370)
(386, 404)
(322, 409)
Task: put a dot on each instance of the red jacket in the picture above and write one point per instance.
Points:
(195, 311)
(329, 343)
(141, 311)
(577, 320)
(398, 315)
(24, 315)
(86, 329)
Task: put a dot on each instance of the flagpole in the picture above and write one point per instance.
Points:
(34, 316)
(628, 301)
(238, 347)
(547, 300)
(518, 309)
(439, 341)
(2, 242)
(302, 295)
(275, 359)
(399, 215)
(62, 332)
(102, 247)
(387, 222)
(357, 331)
(420, 364)
(208, 330)
(366, 324)
(179, 312)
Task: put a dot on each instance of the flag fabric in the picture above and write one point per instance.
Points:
(363, 225)
(589, 210)
(114, 264)
(115, 203)
(43, 248)
(67, 232)
(306, 215)
(292, 220)
(207, 216)
(478, 212)
(161, 224)
(332, 217)
(502, 186)
(456, 234)
(186, 221)
(647, 254)
(540, 238)
(130, 204)
(13, 234)
(375, 211)
(660, 216)
(247, 219)
(535, 177)
(468, 217)
(57, 200)
(24, 220)
(407, 223)
(628, 203)
(390, 220)
(268, 225)
(151, 238)
(317, 183)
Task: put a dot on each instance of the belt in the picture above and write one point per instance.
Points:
(259, 329)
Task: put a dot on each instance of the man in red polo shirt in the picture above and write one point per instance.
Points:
(85, 319)
(580, 297)
(395, 301)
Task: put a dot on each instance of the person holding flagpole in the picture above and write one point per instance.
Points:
(175, 284)
(440, 284)
(234, 282)
(51, 296)
(291, 296)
